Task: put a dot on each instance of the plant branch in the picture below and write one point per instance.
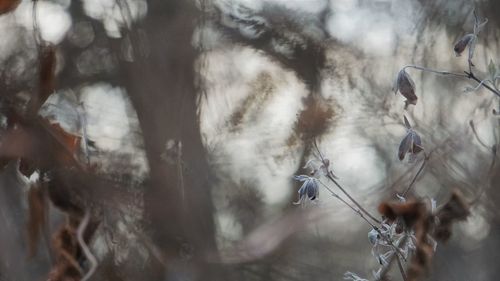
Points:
(393, 257)
(471, 75)
(348, 205)
(401, 269)
(440, 72)
(332, 178)
(387, 239)
(416, 176)
(90, 257)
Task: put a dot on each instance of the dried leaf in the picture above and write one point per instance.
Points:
(8, 5)
(410, 211)
(411, 143)
(414, 215)
(404, 146)
(456, 209)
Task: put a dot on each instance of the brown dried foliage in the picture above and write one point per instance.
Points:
(8, 5)
(456, 209)
(415, 215)
(67, 253)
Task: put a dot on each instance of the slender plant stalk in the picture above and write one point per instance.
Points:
(401, 269)
(331, 177)
(88, 254)
(415, 177)
(393, 257)
(440, 72)
(471, 75)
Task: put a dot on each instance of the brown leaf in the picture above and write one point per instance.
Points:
(415, 215)
(410, 211)
(456, 209)
(8, 5)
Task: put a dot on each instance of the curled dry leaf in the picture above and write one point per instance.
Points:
(8, 5)
(456, 209)
(406, 87)
(416, 216)
(410, 211)
(463, 43)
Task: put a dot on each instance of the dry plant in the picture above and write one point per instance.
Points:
(409, 228)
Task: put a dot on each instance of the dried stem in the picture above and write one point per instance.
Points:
(416, 175)
(357, 211)
(401, 269)
(348, 205)
(471, 75)
(90, 257)
(393, 257)
(332, 178)
(440, 72)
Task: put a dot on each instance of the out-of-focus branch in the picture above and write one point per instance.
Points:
(86, 251)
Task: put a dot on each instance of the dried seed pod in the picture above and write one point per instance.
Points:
(463, 43)
(411, 143)
(406, 86)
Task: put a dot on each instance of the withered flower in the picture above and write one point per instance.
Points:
(309, 189)
(465, 41)
(411, 143)
(406, 86)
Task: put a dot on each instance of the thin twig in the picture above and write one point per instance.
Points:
(401, 269)
(481, 142)
(332, 178)
(90, 257)
(357, 211)
(416, 175)
(471, 75)
(440, 72)
(393, 257)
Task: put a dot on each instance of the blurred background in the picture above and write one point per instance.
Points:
(194, 115)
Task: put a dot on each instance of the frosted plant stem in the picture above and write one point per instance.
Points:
(440, 72)
(90, 257)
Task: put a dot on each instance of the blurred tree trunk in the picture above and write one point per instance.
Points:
(161, 86)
